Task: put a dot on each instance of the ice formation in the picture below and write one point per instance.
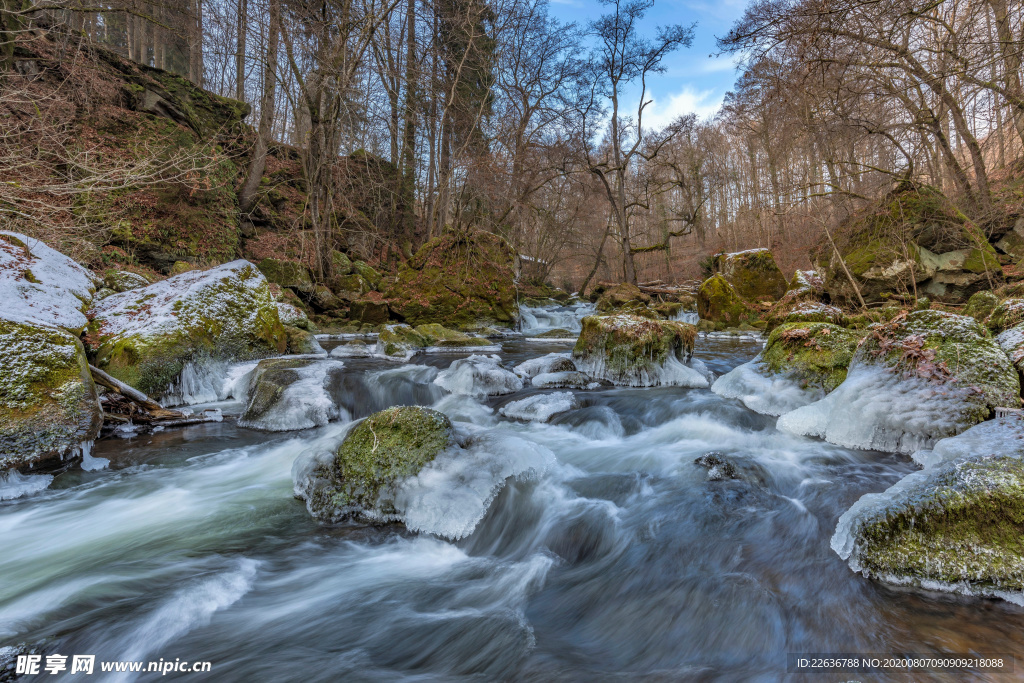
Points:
(984, 438)
(553, 362)
(42, 286)
(877, 409)
(303, 404)
(355, 349)
(451, 494)
(478, 376)
(564, 380)
(91, 463)
(540, 407)
(673, 372)
(13, 484)
(764, 392)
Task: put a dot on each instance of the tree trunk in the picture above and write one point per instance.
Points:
(240, 45)
(247, 195)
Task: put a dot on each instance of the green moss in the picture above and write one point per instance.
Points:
(1007, 314)
(48, 402)
(383, 449)
(367, 273)
(718, 301)
(340, 264)
(621, 295)
(963, 526)
(982, 261)
(981, 304)
(754, 274)
(814, 354)
(621, 347)
(286, 273)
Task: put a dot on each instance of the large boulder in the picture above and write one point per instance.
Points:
(291, 274)
(362, 478)
(401, 342)
(919, 378)
(913, 240)
(634, 351)
(49, 409)
(290, 393)
(41, 286)
(954, 526)
(800, 364)
(148, 337)
(1007, 314)
(718, 301)
(981, 304)
(753, 273)
(461, 279)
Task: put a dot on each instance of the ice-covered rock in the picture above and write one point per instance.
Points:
(40, 286)
(565, 380)
(764, 391)
(286, 394)
(911, 382)
(553, 362)
(540, 407)
(353, 349)
(478, 376)
(955, 526)
(302, 341)
(147, 337)
(48, 402)
(408, 464)
(633, 351)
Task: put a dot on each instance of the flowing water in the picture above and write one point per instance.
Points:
(621, 561)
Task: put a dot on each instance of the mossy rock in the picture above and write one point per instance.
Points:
(1007, 314)
(369, 311)
(438, 335)
(180, 267)
(367, 273)
(754, 274)
(718, 301)
(954, 527)
(287, 273)
(340, 264)
(289, 314)
(668, 309)
(630, 350)
(146, 337)
(1012, 343)
(952, 351)
(814, 354)
(460, 279)
(349, 287)
(48, 402)
(123, 280)
(620, 295)
(557, 333)
(379, 452)
(301, 341)
(981, 304)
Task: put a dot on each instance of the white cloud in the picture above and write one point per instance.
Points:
(704, 104)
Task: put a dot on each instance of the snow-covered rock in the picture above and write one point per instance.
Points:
(1012, 342)
(41, 286)
(408, 464)
(633, 351)
(954, 526)
(911, 382)
(353, 349)
(292, 315)
(1007, 314)
(540, 407)
(478, 376)
(286, 394)
(48, 402)
(149, 337)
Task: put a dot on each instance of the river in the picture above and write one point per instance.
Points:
(621, 561)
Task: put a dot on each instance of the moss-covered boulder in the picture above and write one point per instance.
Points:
(48, 402)
(620, 295)
(557, 333)
(341, 264)
(291, 274)
(814, 354)
(301, 341)
(1007, 314)
(349, 287)
(459, 279)
(148, 337)
(753, 273)
(922, 377)
(981, 304)
(954, 527)
(402, 341)
(634, 351)
(123, 280)
(362, 478)
(369, 311)
(367, 272)
(290, 314)
(718, 301)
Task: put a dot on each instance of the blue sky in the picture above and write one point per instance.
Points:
(695, 81)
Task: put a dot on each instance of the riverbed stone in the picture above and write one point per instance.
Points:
(630, 350)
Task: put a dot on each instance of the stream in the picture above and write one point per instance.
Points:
(621, 561)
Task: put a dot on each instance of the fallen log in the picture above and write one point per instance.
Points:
(149, 411)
